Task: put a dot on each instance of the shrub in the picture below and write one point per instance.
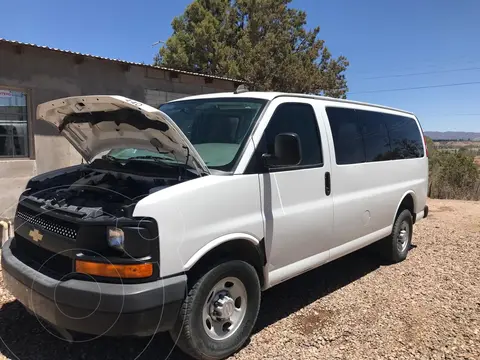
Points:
(452, 175)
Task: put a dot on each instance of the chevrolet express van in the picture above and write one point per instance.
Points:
(179, 217)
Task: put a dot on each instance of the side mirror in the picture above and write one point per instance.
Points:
(287, 151)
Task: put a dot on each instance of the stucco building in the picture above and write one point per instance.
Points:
(32, 74)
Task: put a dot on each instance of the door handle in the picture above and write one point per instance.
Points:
(328, 185)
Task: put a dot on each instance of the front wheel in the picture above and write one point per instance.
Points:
(219, 312)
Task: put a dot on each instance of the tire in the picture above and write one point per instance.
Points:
(392, 248)
(191, 332)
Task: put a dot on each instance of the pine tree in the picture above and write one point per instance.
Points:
(264, 43)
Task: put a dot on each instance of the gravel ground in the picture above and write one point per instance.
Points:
(427, 307)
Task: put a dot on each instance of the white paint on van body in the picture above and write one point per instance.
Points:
(302, 227)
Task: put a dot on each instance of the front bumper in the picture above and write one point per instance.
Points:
(93, 307)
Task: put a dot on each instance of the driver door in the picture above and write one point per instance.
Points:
(297, 206)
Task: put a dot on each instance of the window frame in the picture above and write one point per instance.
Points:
(29, 133)
(254, 165)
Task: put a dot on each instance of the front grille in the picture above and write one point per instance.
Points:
(47, 223)
(41, 259)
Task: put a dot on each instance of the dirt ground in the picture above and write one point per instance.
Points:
(427, 307)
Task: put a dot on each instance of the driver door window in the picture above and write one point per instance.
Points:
(298, 118)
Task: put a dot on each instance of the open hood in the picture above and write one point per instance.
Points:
(94, 124)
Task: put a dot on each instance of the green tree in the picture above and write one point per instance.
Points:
(459, 171)
(264, 43)
(433, 160)
(430, 145)
(453, 175)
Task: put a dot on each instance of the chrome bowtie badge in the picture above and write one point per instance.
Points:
(35, 235)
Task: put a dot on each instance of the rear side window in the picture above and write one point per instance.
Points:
(375, 135)
(347, 136)
(405, 138)
(368, 136)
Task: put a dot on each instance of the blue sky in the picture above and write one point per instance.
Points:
(380, 39)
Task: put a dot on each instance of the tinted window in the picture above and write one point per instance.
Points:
(375, 135)
(406, 140)
(299, 119)
(296, 118)
(347, 135)
(360, 136)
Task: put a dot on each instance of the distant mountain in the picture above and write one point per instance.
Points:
(452, 135)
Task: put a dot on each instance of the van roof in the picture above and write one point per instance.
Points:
(272, 95)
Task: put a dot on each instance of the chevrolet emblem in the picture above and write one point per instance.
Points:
(35, 235)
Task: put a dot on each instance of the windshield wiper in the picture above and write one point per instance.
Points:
(150, 157)
(111, 158)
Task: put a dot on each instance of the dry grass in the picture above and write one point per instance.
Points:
(427, 307)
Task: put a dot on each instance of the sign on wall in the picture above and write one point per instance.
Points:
(5, 93)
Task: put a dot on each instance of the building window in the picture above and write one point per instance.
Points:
(13, 123)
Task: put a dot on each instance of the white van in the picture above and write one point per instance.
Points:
(181, 216)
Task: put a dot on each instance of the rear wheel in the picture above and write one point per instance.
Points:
(395, 247)
(219, 312)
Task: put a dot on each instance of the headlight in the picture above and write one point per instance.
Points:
(116, 238)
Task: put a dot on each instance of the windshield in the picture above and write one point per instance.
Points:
(217, 128)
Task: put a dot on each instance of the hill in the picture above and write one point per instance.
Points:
(452, 135)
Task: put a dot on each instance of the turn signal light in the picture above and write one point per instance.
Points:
(132, 271)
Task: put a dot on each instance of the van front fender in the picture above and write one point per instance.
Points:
(215, 243)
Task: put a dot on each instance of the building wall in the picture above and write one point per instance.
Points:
(45, 75)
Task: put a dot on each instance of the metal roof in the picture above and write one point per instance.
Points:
(118, 60)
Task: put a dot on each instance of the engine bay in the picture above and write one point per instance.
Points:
(99, 190)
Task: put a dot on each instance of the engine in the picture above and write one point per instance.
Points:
(88, 192)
